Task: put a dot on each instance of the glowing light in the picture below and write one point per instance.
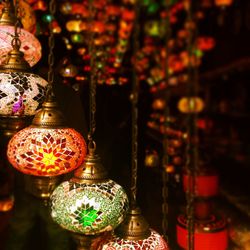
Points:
(153, 242)
(30, 45)
(46, 152)
(21, 93)
(89, 208)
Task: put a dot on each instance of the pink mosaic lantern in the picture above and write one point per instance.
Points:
(153, 242)
(30, 45)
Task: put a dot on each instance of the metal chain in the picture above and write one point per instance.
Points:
(134, 111)
(16, 42)
(165, 158)
(51, 43)
(192, 151)
(92, 87)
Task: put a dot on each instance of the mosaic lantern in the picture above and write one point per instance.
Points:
(89, 203)
(153, 242)
(134, 234)
(191, 105)
(30, 45)
(223, 3)
(46, 149)
(21, 92)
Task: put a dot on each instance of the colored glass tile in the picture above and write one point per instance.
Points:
(153, 242)
(21, 93)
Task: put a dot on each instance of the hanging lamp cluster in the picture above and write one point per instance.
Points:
(47, 148)
(30, 45)
(89, 203)
(21, 91)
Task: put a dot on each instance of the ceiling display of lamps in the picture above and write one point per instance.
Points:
(47, 148)
(21, 91)
(90, 203)
(30, 45)
(134, 233)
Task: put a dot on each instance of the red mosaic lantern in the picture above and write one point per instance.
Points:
(209, 234)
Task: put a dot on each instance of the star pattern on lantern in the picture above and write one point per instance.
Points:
(48, 155)
(87, 215)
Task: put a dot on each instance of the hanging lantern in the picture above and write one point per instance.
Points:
(89, 203)
(134, 233)
(223, 3)
(21, 92)
(210, 233)
(67, 69)
(30, 45)
(206, 183)
(46, 149)
(191, 105)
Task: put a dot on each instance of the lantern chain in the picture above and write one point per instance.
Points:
(51, 43)
(192, 150)
(16, 42)
(134, 106)
(93, 76)
(165, 158)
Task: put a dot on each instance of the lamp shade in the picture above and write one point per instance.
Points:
(89, 208)
(153, 242)
(209, 234)
(30, 45)
(21, 93)
(46, 151)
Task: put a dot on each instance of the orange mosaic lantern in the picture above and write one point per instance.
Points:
(47, 147)
(46, 152)
(191, 104)
(221, 3)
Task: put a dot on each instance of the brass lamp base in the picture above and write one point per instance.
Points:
(86, 242)
(9, 125)
(134, 227)
(41, 187)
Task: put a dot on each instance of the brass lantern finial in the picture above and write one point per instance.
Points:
(8, 17)
(49, 116)
(134, 227)
(92, 170)
(15, 60)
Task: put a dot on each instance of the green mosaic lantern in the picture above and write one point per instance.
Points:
(89, 203)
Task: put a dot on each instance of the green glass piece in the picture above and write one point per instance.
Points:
(77, 38)
(153, 8)
(198, 53)
(146, 2)
(47, 18)
(87, 217)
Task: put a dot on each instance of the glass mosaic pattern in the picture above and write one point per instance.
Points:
(21, 93)
(30, 45)
(46, 152)
(89, 209)
(153, 242)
